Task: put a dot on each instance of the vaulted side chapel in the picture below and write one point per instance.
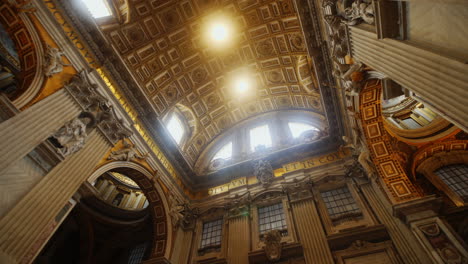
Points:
(233, 131)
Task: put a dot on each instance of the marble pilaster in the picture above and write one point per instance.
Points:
(437, 80)
(239, 240)
(406, 244)
(21, 228)
(23, 132)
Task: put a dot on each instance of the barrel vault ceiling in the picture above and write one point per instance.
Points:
(160, 45)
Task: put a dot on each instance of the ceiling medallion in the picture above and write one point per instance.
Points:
(199, 75)
(265, 48)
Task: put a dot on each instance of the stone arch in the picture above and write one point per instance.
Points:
(437, 155)
(29, 47)
(158, 203)
(389, 161)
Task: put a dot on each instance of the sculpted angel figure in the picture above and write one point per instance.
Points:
(54, 63)
(362, 153)
(175, 211)
(72, 136)
(360, 10)
(128, 153)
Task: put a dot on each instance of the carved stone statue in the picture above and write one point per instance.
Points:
(54, 63)
(72, 135)
(175, 211)
(264, 172)
(362, 154)
(128, 153)
(358, 11)
(273, 245)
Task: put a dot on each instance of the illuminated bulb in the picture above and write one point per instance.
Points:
(219, 32)
(242, 85)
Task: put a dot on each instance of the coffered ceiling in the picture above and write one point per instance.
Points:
(161, 44)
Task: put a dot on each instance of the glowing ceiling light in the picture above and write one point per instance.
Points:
(219, 32)
(242, 85)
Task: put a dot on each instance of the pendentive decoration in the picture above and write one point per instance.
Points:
(263, 172)
(273, 245)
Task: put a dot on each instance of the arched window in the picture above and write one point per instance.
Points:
(298, 128)
(260, 138)
(456, 178)
(224, 153)
(98, 8)
(176, 128)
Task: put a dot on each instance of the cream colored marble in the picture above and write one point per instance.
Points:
(16, 181)
(23, 225)
(440, 27)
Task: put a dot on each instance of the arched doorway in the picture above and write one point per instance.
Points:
(113, 230)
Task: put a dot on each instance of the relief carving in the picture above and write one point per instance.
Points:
(362, 153)
(72, 136)
(53, 61)
(442, 244)
(359, 11)
(182, 214)
(273, 245)
(128, 153)
(264, 172)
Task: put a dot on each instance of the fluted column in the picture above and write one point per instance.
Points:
(21, 228)
(238, 240)
(311, 233)
(438, 81)
(23, 132)
(182, 246)
(405, 242)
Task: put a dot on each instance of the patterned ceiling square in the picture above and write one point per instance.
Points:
(458, 146)
(370, 112)
(373, 130)
(369, 96)
(380, 149)
(400, 188)
(389, 169)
